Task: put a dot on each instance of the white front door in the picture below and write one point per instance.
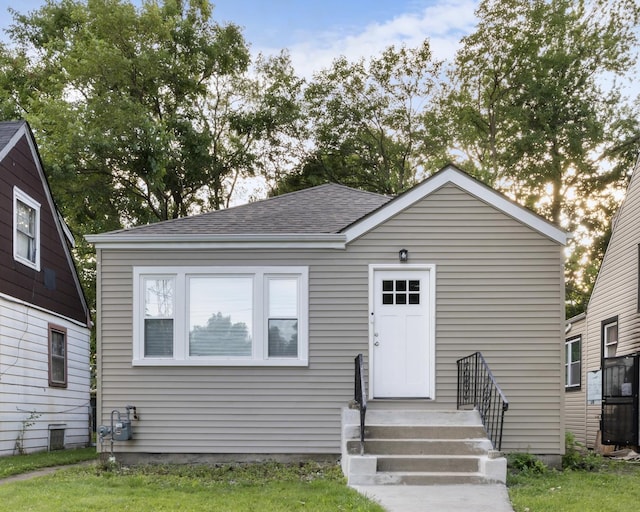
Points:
(402, 333)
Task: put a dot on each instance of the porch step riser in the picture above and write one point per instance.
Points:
(390, 478)
(428, 464)
(420, 447)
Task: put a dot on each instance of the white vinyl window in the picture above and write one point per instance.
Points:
(220, 316)
(610, 335)
(26, 229)
(572, 365)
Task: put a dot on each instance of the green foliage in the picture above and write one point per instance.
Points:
(369, 122)
(27, 423)
(577, 457)
(525, 464)
(144, 113)
(18, 464)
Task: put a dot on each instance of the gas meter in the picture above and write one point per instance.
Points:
(120, 428)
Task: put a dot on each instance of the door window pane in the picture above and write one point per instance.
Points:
(395, 292)
(220, 316)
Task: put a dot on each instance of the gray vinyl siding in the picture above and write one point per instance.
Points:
(616, 292)
(575, 400)
(499, 290)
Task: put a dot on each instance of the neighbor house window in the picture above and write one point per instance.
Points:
(220, 316)
(572, 373)
(26, 229)
(610, 337)
(57, 356)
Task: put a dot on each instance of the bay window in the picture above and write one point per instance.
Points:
(220, 316)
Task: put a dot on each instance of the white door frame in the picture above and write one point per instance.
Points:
(431, 312)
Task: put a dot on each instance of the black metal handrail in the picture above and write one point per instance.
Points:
(478, 387)
(360, 396)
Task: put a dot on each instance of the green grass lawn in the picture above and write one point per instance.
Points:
(17, 464)
(608, 486)
(260, 487)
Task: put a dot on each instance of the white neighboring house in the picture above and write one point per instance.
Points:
(44, 318)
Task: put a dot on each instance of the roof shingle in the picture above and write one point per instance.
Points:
(8, 130)
(326, 208)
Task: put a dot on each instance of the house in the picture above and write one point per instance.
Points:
(234, 332)
(44, 318)
(602, 393)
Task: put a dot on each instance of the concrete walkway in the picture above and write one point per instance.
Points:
(41, 472)
(439, 498)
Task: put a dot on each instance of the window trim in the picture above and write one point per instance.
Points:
(181, 276)
(19, 195)
(603, 328)
(61, 330)
(567, 342)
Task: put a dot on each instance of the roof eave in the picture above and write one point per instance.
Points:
(452, 174)
(220, 241)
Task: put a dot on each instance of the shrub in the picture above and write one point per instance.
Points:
(578, 457)
(526, 463)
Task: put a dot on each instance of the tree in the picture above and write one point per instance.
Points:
(145, 114)
(367, 122)
(534, 109)
(142, 114)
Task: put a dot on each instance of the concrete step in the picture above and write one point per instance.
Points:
(428, 464)
(415, 478)
(390, 417)
(423, 432)
(420, 446)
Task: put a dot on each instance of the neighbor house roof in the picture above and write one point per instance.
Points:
(327, 216)
(7, 131)
(11, 132)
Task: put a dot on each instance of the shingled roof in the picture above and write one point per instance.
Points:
(326, 208)
(7, 130)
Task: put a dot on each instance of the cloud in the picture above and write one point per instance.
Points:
(444, 24)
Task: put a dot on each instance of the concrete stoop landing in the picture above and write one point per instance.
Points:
(419, 447)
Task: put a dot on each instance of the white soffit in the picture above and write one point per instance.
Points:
(477, 189)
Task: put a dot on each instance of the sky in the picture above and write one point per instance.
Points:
(317, 31)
